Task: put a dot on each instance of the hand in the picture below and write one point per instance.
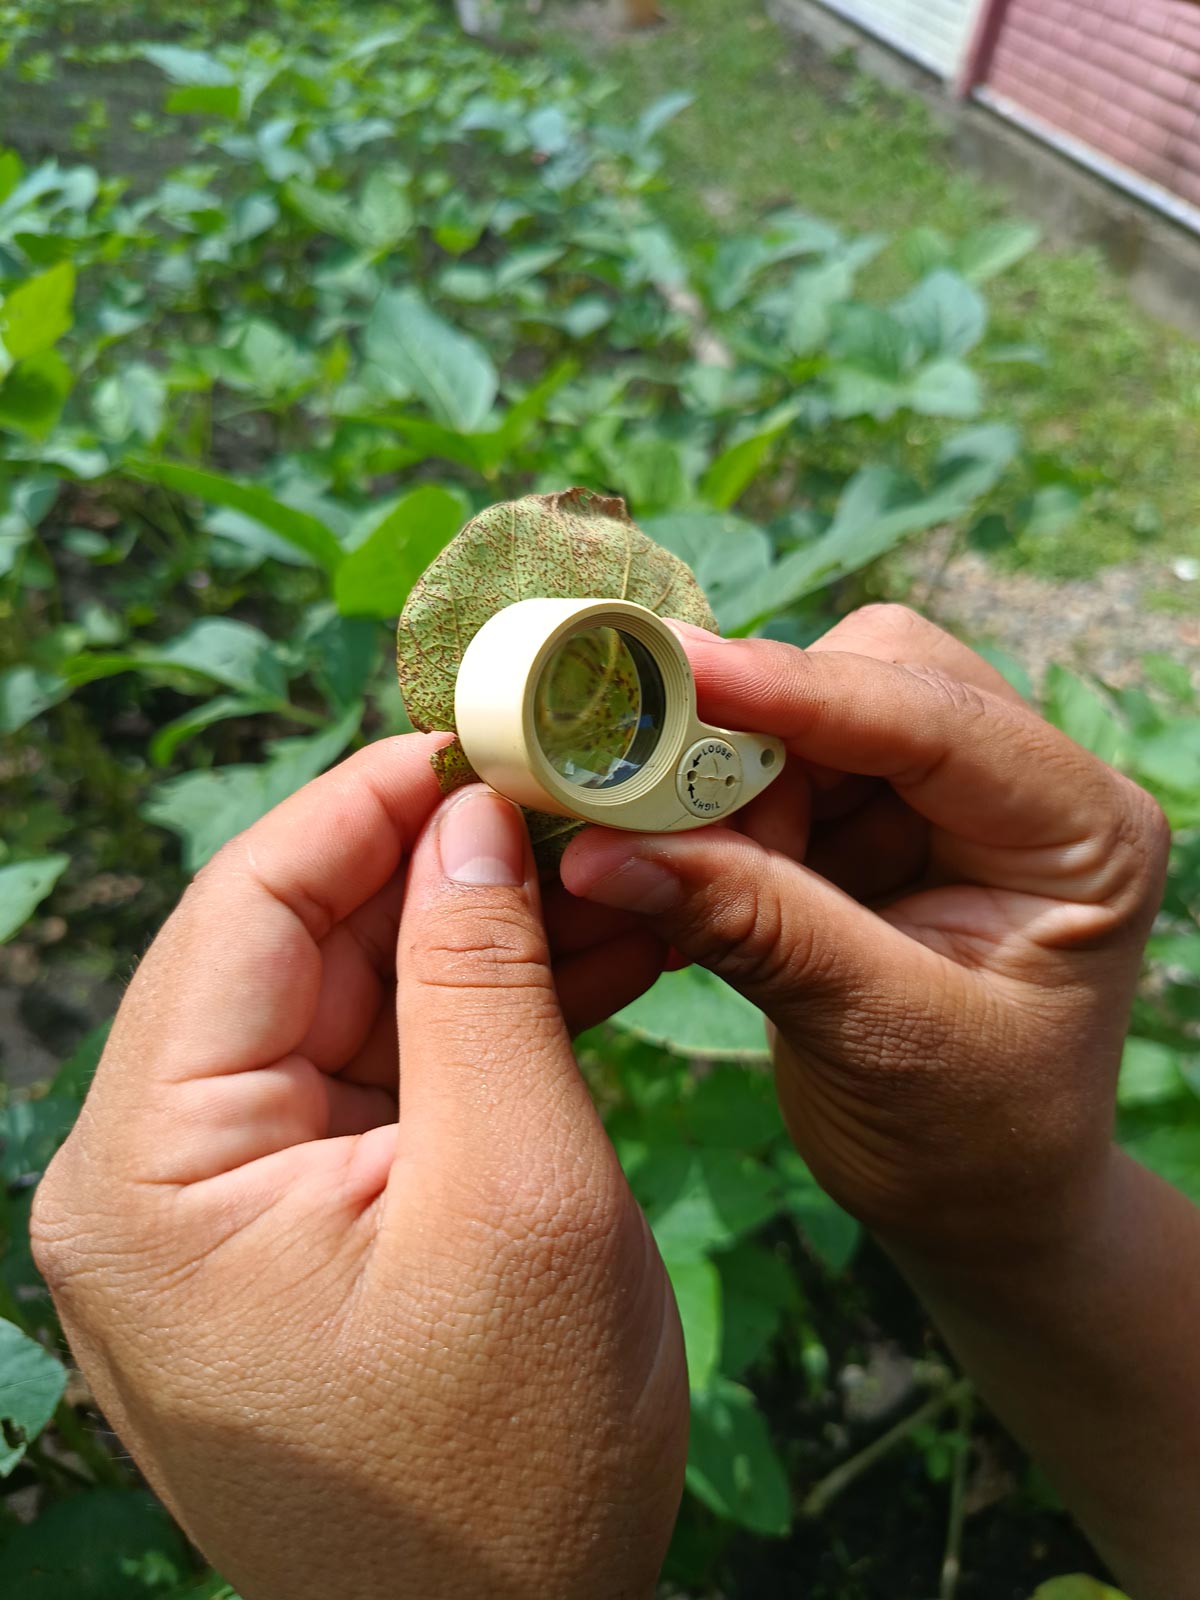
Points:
(357, 1355)
(950, 970)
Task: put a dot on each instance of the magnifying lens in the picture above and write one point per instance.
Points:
(587, 709)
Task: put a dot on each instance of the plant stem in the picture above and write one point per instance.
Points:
(90, 1451)
(952, 1560)
(832, 1485)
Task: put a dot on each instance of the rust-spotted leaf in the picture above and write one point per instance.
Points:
(573, 545)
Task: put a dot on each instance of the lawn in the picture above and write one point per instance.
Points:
(1115, 395)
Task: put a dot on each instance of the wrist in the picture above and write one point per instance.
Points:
(1064, 1232)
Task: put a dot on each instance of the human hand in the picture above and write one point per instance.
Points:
(951, 968)
(434, 1356)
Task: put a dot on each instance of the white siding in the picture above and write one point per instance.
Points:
(933, 32)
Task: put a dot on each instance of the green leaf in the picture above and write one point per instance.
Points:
(221, 708)
(298, 528)
(693, 1013)
(375, 579)
(1083, 713)
(732, 1107)
(206, 809)
(1149, 1074)
(25, 692)
(32, 1131)
(757, 1290)
(945, 313)
(37, 313)
(33, 395)
(1172, 1152)
(221, 648)
(697, 1287)
(206, 99)
(1170, 758)
(187, 66)
(833, 1234)
(703, 1200)
(447, 369)
(1077, 1588)
(23, 887)
(946, 389)
(992, 250)
(74, 1077)
(31, 1385)
(728, 555)
(79, 1548)
(735, 469)
(732, 1464)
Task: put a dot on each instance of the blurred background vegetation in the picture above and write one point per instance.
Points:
(286, 292)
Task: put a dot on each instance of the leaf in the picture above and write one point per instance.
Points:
(693, 1013)
(171, 735)
(23, 887)
(447, 369)
(206, 809)
(206, 99)
(1083, 713)
(131, 404)
(31, 1385)
(32, 1131)
(989, 251)
(1172, 1152)
(732, 1464)
(727, 554)
(1077, 1588)
(1149, 1074)
(757, 1289)
(946, 389)
(298, 528)
(732, 1107)
(37, 313)
(697, 1287)
(79, 1547)
(945, 313)
(33, 395)
(73, 1078)
(735, 469)
(221, 648)
(705, 1200)
(187, 66)
(832, 1233)
(572, 545)
(25, 692)
(375, 579)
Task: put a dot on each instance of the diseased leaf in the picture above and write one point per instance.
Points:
(573, 545)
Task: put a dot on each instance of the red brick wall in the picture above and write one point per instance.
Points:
(1122, 75)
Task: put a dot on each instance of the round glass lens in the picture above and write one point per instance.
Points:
(599, 708)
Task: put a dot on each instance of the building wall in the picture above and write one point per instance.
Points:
(934, 32)
(1122, 76)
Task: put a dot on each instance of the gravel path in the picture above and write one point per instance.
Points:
(1103, 624)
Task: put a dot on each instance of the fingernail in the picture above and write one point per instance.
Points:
(688, 630)
(482, 840)
(638, 885)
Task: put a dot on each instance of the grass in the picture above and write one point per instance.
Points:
(1117, 399)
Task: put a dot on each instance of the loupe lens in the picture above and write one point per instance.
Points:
(599, 708)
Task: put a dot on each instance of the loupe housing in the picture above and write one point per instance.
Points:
(587, 709)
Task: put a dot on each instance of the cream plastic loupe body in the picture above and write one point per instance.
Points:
(693, 775)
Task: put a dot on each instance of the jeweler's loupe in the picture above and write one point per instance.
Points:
(587, 709)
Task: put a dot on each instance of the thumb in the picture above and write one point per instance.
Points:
(840, 981)
(488, 1077)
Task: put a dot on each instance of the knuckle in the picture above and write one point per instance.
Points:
(498, 948)
(747, 940)
(891, 625)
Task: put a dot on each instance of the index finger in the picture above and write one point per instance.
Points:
(231, 982)
(1018, 804)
